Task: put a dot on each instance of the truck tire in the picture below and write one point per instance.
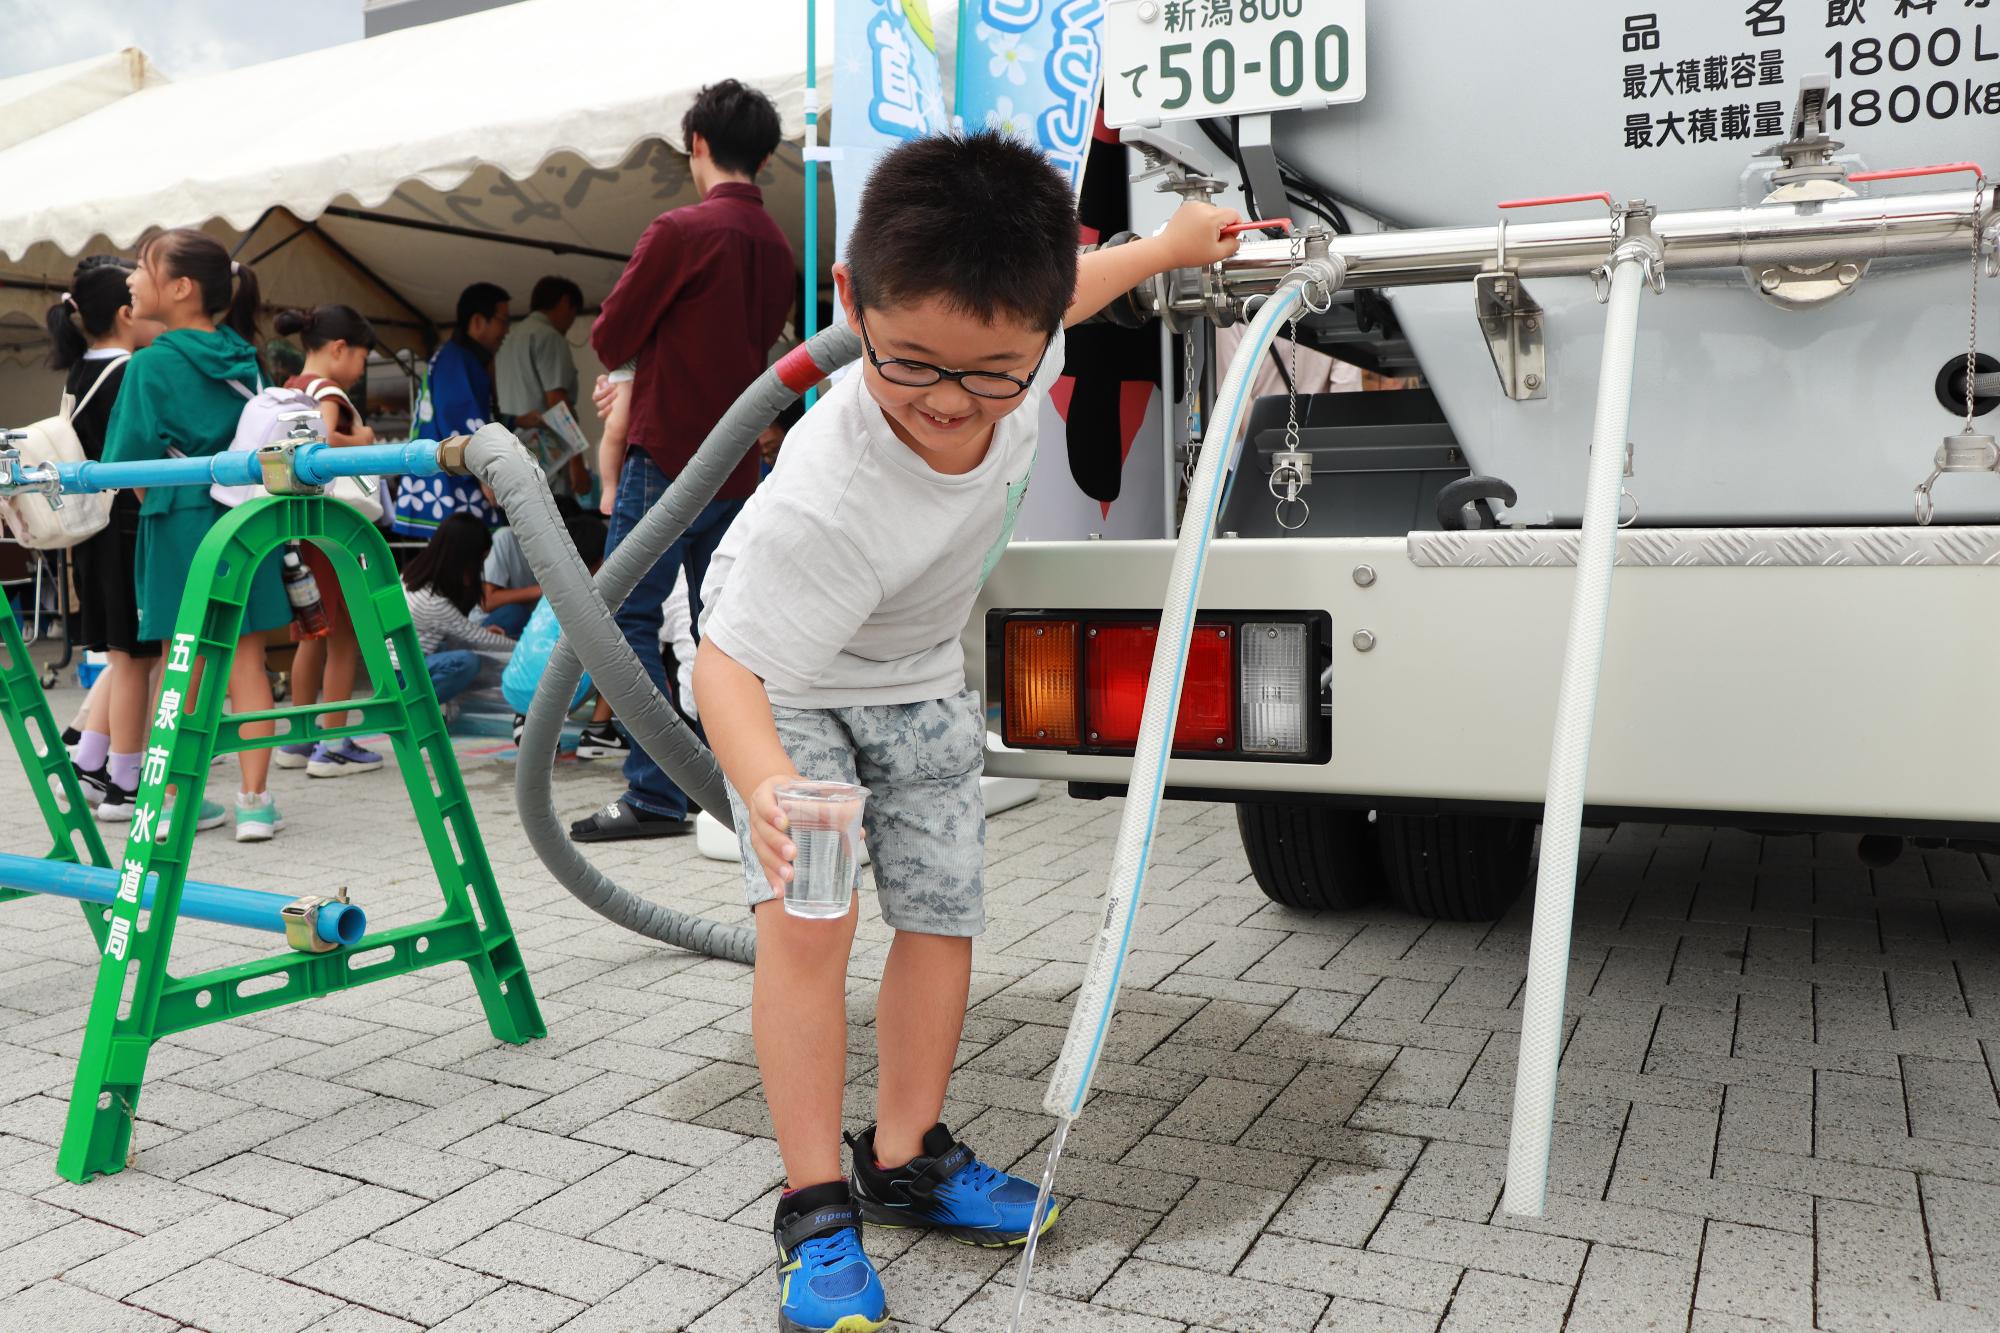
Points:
(1310, 857)
(1455, 867)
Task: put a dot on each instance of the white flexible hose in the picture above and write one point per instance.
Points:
(1569, 755)
(1091, 1017)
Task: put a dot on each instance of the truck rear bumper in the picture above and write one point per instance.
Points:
(1841, 674)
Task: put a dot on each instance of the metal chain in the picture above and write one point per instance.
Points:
(1292, 394)
(1191, 450)
(1972, 342)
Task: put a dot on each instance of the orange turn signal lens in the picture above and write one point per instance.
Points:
(1040, 699)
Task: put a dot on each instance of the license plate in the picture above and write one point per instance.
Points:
(1182, 59)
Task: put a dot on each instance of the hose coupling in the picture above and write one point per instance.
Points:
(1322, 275)
(1966, 450)
(279, 465)
(451, 455)
(1632, 230)
(301, 918)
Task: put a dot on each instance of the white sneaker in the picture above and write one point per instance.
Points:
(257, 817)
(293, 756)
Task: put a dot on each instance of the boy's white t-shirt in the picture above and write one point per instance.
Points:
(849, 575)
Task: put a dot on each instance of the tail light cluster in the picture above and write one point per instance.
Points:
(1077, 681)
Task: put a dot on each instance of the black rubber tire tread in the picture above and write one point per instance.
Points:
(1456, 867)
(1311, 857)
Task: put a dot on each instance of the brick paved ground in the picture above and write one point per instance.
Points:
(1778, 1106)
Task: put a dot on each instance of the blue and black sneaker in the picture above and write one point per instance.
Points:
(826, 1283)
(947, 1189)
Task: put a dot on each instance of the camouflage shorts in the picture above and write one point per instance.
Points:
(926, 818)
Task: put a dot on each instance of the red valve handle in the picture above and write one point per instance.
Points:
(1557, 199)
(1237, 228)
(1901, 173)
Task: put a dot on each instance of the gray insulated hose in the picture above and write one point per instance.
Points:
(591, 639)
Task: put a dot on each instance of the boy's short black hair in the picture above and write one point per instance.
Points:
(550, 291)
(739, 123)
(981, 220)
(481, 298)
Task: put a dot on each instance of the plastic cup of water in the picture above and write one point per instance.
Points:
(823, 822)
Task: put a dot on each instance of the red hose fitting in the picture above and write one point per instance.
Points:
(1283, 225)
(1559, 199)
(1903, 173)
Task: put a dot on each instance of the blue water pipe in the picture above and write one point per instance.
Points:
(337, 922)
(316, 464)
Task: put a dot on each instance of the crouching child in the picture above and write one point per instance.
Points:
(830, 651)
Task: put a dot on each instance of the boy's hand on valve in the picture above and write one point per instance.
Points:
(1194, 238)
(767, 831)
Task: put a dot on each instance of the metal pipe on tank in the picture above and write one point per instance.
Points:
(1802, 234)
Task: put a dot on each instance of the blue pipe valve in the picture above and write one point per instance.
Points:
(303, 923)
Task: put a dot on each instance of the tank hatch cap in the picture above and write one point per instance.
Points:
(1807, 153)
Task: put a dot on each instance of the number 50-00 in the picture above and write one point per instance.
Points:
(1285, 68)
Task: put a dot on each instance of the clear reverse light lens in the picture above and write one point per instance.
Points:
(1274, 698)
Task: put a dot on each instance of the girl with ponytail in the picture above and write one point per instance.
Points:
(182, 397)
(94, 333)
(337, 340)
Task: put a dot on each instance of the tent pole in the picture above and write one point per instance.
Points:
(811, 312)
(244, 240)
(276, 246)
(426, 327)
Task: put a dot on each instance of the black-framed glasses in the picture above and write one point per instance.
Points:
(922, 374)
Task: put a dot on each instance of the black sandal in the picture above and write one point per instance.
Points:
(621, 821)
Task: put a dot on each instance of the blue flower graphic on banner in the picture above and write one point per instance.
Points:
(887, 63)
(1033, 68)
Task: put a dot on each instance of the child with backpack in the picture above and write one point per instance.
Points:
(94, 333)
(442, 583)
(182, 396)
(337, 340)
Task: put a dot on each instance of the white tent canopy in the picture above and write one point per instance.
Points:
(32, 104)
(507, 88)
(554, 123)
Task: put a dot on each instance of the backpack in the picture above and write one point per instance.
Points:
(530, 660)
(54, 440)
(262, 422)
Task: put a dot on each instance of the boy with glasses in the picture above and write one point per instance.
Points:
(830, 650)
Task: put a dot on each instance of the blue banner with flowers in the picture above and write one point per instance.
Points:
(887, 88)
(886, 83)
(1032, 68)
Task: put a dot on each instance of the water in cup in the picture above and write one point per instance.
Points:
(824, 825)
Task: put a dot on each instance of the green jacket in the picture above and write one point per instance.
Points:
(177, 394)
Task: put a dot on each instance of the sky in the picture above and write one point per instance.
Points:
(184, 38)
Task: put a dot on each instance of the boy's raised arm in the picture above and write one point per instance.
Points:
(1192, 238)
(736, 713)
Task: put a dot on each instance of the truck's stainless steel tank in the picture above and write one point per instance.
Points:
(1742, 412)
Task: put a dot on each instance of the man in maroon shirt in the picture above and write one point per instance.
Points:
(699, 306)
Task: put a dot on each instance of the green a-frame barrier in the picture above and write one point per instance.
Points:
(137, 999)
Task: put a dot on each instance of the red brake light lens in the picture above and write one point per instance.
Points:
(1118, 661)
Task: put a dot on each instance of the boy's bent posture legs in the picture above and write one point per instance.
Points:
(918, 1019)
(798, 1018)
